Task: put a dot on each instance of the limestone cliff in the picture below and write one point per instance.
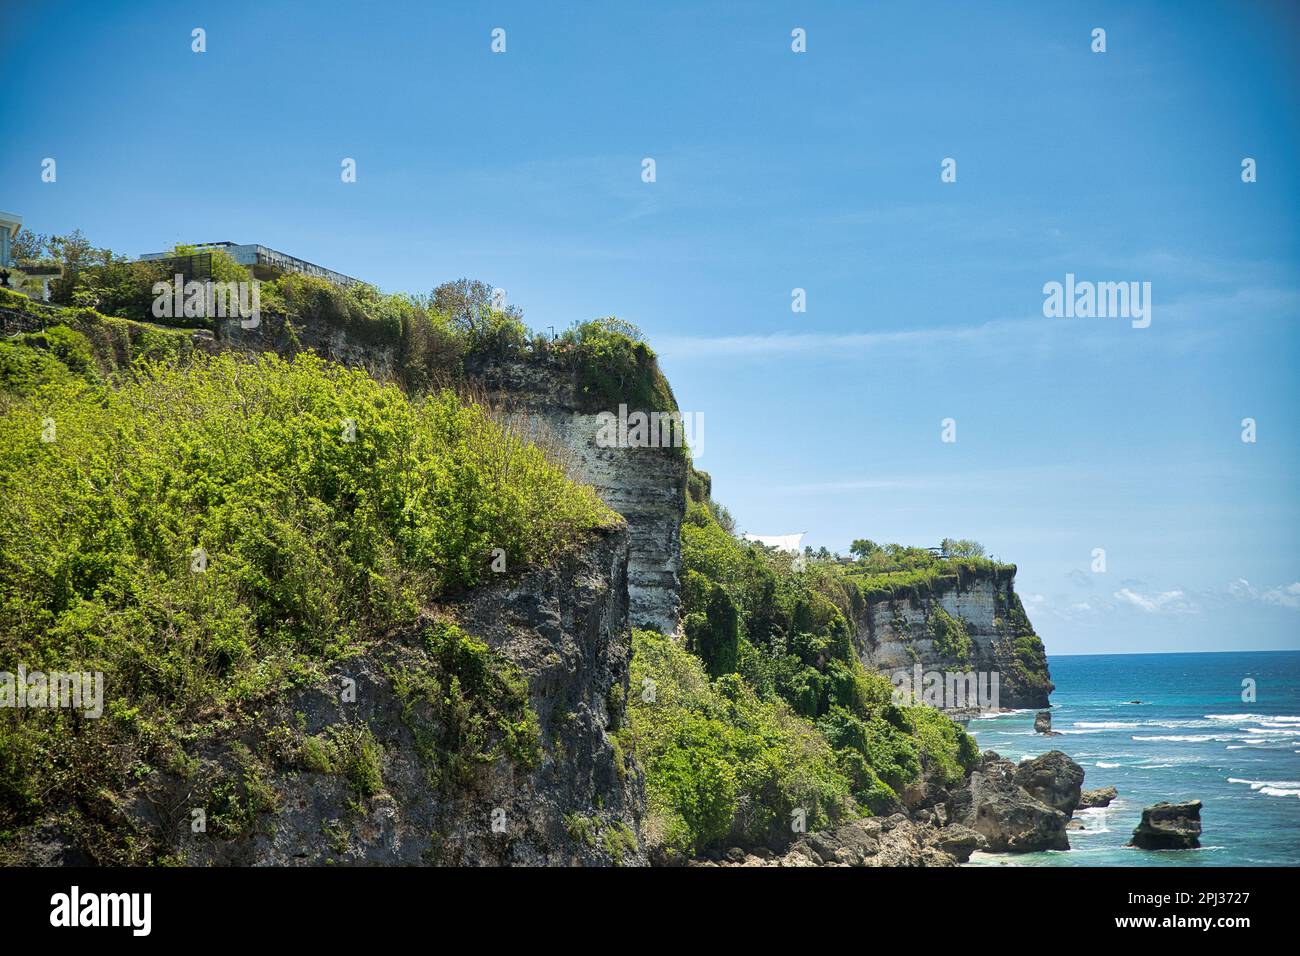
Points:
(967, 621)
(647, 486)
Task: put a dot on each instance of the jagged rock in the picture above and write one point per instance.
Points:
(923, 794)
(960, 842)
(1043, 724)
(1007, 816)
(870, 842)
(1169, 826)
(1054, 779)
(1101, 797)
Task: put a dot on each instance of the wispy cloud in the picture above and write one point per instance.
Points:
(826, 343)
(1188, 322)
(1165, 602)
(1287, 595)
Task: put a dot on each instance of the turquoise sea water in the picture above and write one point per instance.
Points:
(1192, 737)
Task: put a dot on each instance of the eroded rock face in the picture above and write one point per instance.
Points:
(1043, 724)
(1169, 826)
(577, 801)
(1008, 817)
(894, 635)
(1101, 797)
(1054, 779)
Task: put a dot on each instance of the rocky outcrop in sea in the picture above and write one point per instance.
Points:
(1169, 826)
(1101, 797)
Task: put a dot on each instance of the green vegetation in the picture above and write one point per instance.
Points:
(951, 638)
(79, 343)
(618, 841)
(613, 365)
(208, 535)
(721, 762)
(466, 706)
(768, 708)
(355, 753)
(209, 532)
(1028, 656)
(434, 338)
(890, 571)
(241, 797)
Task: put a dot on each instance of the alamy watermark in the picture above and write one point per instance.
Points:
(1102, 300)
(130, 910)
(208, 300)
(651, 430)
(75, 690)
(946, 690)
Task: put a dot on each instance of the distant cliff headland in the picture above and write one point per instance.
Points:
(366, 588)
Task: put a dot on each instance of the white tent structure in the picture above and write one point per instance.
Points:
(786, 542)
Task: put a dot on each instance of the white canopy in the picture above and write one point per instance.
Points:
(786, 542)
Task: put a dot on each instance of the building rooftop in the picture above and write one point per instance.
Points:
(266, 263)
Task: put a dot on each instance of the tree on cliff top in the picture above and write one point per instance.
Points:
(474, 308)
(962, 548)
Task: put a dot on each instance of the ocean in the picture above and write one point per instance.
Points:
(1191, 737)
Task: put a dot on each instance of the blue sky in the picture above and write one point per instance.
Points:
(778, 170)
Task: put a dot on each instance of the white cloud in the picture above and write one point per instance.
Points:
(1287, 595)
(783, 344)
(1172, 602)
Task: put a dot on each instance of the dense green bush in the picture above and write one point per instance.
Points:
(24, 369)
(714, 634)
(80, 343)
(362, 311)
(311, 543)
(721, 763)
(614, 366)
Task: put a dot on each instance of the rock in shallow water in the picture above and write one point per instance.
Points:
(1043, 724)
(1169, 826)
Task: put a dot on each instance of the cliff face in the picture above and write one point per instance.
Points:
(647, 486)
(970, 622)
(389, 774)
